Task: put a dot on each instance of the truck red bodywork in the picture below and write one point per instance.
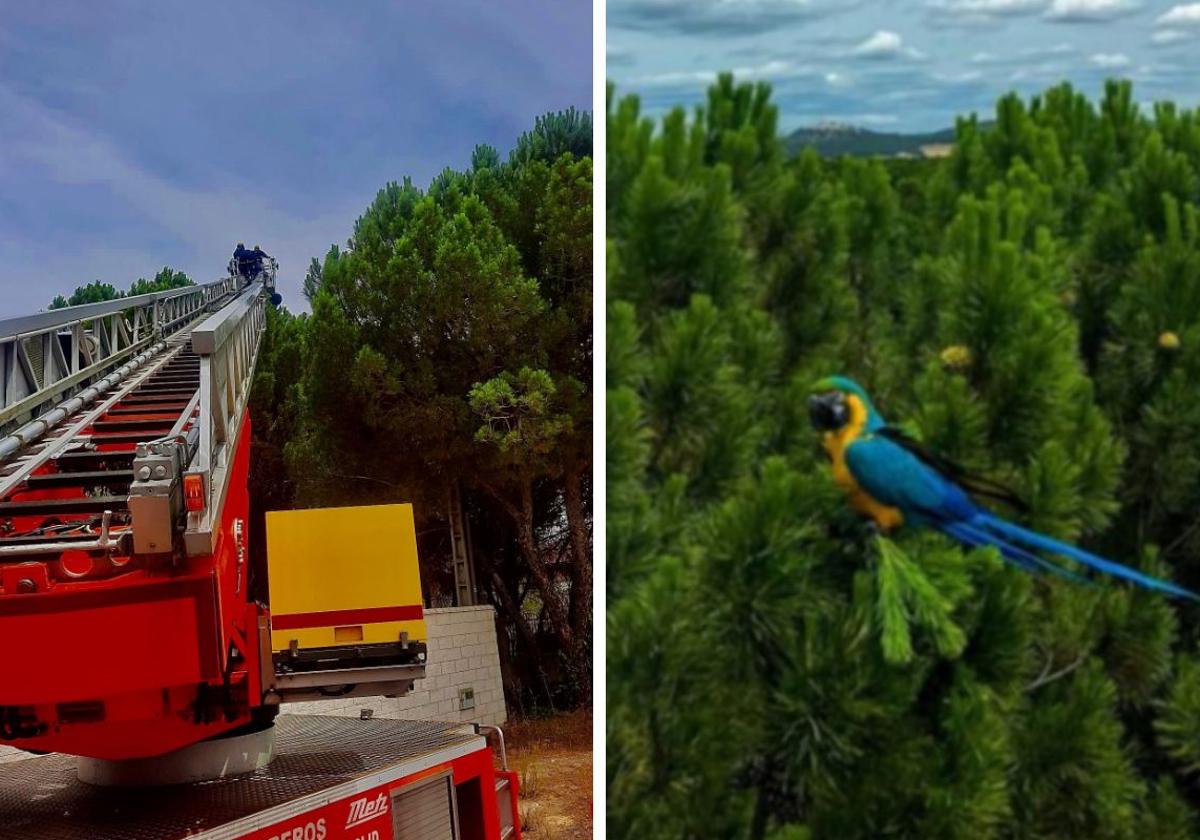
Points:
(137, 663)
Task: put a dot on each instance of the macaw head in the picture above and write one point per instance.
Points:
(837, 401)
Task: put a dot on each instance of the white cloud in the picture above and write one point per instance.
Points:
(1082, 11)
(988, 8)
(677, 78)
(909, 94)
(1110, 60)
(885, 44)
(959, 77)
(851, 121)
(1170, 36)
(874, 119)
(618, 56)
(836, 79)
(1024, 55)
(1041, 72)
(205, 219)
(1054, 49)
(771, 70)
(882, 43)
(715, 17)
(1183, 15)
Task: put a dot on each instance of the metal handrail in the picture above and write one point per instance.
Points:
(487, 727)
(24, 324)
(227, 343)
(46, 356)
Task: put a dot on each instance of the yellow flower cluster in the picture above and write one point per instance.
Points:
(956, 357)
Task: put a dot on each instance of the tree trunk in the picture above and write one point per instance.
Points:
(758, 823)
(581, 573)
(527, 543)
(513, 611)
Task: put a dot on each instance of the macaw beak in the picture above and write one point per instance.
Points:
(828, 412)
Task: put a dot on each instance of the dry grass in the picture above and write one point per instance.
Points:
(570, 730)
(553, 758)
(529, 775)
(535, 824)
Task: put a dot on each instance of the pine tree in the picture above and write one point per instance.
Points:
(449, 353)
(1027, 307)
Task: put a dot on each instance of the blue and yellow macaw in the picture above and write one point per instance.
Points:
(895, 481)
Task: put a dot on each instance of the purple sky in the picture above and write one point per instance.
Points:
(134, 136)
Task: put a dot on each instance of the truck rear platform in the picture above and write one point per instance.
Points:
(331, 778)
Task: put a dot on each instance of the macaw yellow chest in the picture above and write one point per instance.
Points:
(835, 443)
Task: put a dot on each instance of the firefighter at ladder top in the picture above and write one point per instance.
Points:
(248, 263)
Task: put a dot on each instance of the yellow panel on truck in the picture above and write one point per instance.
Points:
(343, 576)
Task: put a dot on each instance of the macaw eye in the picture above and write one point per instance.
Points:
(827, 412)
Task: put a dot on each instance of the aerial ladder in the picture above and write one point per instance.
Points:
(139, 634)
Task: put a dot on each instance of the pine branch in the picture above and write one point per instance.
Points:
(1047, 676)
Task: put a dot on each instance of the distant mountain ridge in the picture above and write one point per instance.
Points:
(832, 139)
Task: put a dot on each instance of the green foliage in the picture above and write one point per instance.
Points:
(449, 351)
(165, 279)
(907, 595)
(560, 133)
(1030, 307)
(94, 292)
(97, 292)
(518, 416)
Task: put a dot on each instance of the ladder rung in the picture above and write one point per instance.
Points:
(90, 478)
(149, 408)
(91, 458)
(139, 397)
(164, 423)
(34, 539)
(130, 437)
(49, 507)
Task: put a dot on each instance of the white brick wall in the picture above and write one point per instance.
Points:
(462, 654)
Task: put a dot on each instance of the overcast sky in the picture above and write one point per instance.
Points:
(901, 65)
(137, 135)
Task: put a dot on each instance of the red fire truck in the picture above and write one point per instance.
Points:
(146, 644)
(331, 778)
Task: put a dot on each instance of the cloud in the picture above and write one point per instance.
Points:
(205, 220)
(769, 71)
(881, 44)
(615, 56)
(1183, 15)
(1090, 11)
(1023, 56)
(958, 76)
(1164, 37)
(853, 120)
(1061, 48)
(884, 44)
(718, 17)
(1110, 61)
(979, 13)
(677, 78)
(987, 8)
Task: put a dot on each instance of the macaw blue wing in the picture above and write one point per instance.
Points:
(892, 475)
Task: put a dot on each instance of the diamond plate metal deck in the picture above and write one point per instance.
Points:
(42, 798)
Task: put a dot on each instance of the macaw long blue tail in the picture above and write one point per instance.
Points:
(1034, 540)
(1030, 562)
